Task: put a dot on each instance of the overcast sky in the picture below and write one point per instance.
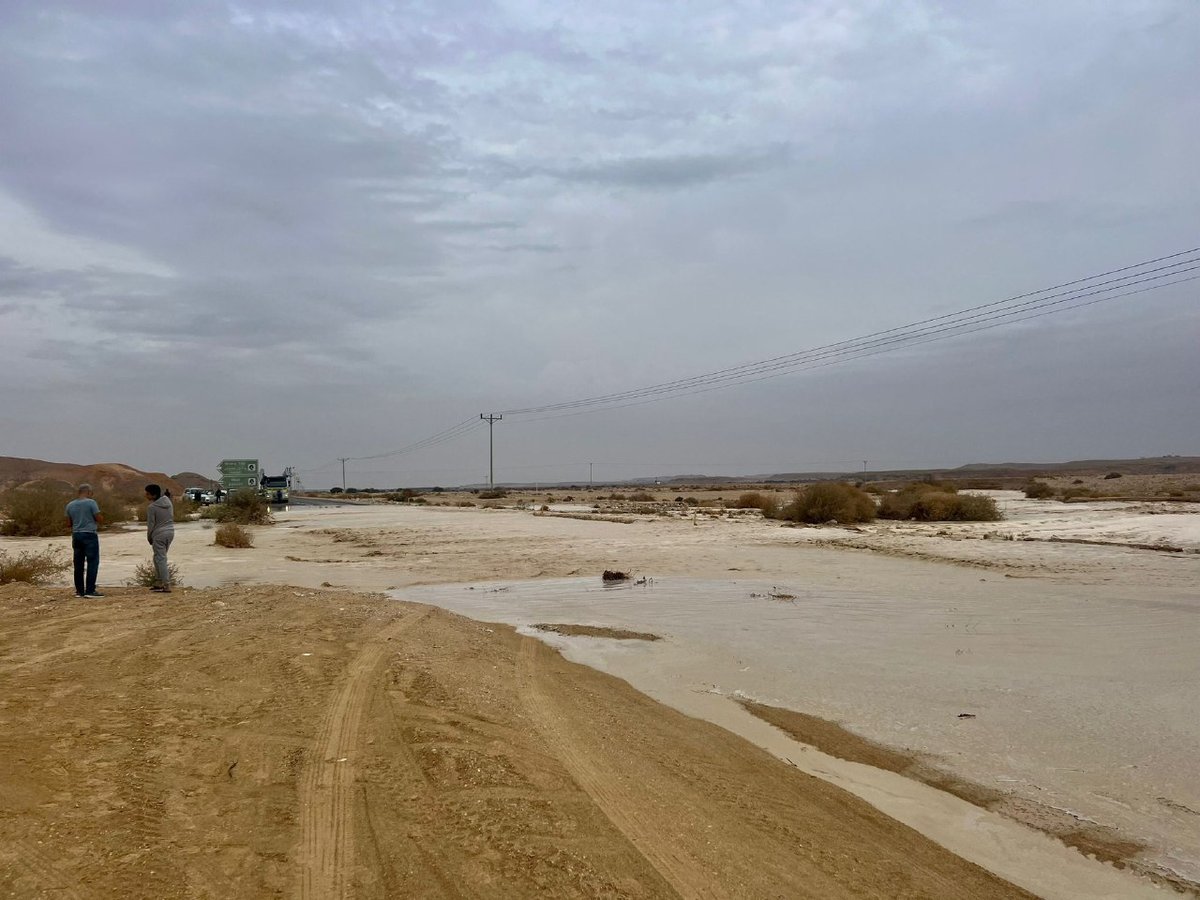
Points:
(300, 230)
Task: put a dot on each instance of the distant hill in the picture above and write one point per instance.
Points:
(194, 480)
(15, 472)
(1150, 465)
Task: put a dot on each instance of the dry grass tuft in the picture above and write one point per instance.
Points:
(32, 566)
(233, 535)
(145, 576)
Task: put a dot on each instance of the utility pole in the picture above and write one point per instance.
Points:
(343, 460)
(491, 420)
(589, 474)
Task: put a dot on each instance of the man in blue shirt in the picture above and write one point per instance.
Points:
(84, 515)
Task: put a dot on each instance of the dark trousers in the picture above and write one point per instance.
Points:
(87, 550)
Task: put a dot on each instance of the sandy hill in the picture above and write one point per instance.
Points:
(194, 479)
(16, 471)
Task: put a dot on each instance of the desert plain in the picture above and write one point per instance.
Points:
(394, 700)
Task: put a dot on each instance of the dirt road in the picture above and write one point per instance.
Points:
(286, 742)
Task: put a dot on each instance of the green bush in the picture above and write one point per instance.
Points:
(243, 508)
(829, 501)
(1038, 490)
(929, 503)
(32, 566)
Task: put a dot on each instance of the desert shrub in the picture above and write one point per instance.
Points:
(926, 503)
(36, 511)
(641, 497)
(116, 508)
(407, 495)
(243, 507)
(1112, 475)
(32, 566)
(145, 576)
(764, 503)
(973, 508)
(1073, 493)
(1038, 490)
(829, 501)
(493, 495)
(233, 535)
(872, 489)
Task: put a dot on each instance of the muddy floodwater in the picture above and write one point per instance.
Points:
(1077, 701)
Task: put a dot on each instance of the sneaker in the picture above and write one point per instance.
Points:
(81, 596)
(94, 594)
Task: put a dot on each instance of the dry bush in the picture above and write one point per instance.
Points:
(233, 535)
(116, 509)
(1111, 475)
(145, 575)
(493, 495)
(243, 508)
(32, 566)
(36, 511)
(767, 504)
(407, 495)
(641, 497)
(1038, 490)
(829, 501)
(927, 503)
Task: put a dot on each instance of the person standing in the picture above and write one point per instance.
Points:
(83, 513)
(160, 531)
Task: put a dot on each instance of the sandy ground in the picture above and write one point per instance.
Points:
(1079, 662)
(268, 741)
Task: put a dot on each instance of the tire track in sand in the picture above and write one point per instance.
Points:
(620, 801)
(327, 787)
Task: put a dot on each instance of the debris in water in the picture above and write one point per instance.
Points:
(966, 715)
(611, 575)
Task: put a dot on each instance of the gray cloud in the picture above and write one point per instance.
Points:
(379, 219)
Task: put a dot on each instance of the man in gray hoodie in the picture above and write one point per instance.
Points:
(160, 531)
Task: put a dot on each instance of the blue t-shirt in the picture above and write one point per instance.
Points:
(82, 512)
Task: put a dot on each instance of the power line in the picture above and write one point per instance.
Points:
(950, 325)
(1079, 293)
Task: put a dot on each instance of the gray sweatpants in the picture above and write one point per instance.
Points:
(161, 543)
